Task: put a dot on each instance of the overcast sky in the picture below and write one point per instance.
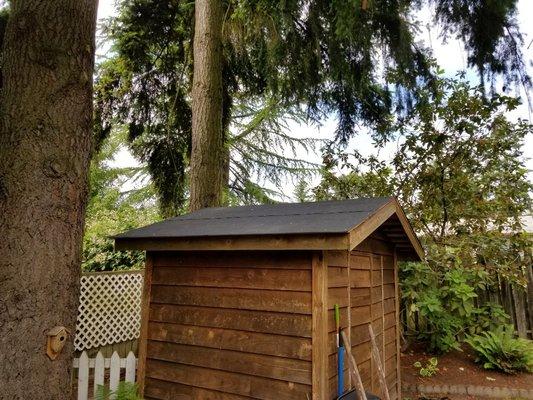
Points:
(450, 56)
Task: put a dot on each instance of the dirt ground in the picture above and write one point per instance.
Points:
(458, 368)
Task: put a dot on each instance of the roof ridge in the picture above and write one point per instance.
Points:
(270, 215)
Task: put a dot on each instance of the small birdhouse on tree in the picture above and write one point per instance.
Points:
(56, 339)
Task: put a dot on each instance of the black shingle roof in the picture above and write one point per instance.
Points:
(326, 217)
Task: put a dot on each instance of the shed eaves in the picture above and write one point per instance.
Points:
(326, 217)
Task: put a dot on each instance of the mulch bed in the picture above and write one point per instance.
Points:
(458, 368)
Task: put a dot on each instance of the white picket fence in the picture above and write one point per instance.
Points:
(99, 364)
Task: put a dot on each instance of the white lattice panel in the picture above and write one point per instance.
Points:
(109, 310)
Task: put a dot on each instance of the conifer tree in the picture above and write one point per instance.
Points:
(355, 60)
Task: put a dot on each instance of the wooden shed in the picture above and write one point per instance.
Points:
(238, 302)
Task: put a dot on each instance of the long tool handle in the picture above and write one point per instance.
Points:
(340, 352)
(353, 367)
(377, 360)
(337, 314)
(340, 371)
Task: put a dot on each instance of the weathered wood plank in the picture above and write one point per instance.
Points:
(226, 382)
(360, 334)
(389, 291)
(359, 278)
(360, 315)
(360, 261)
(371, 246)
(398, 327)
(243, 278)
(390, 335)
(338, 296)
(336, 258)
(390, 320)
(251, 342)
(362, 352)
(389, 306)
(164, 390)
(390, 348)
(390, 365)
(233, 361)
(285, 242)
(377, 358)
(337, 277)
(235, 259)
(353, 366)
(376, 262)
(362, 231)
(388, 276)
(244, 299)
(320, 326)
(388, 262)
(253, 321)
(360, 297)
(145, 315)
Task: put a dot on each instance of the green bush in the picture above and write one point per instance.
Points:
(99, 255)
(125, 391)
(500, 350)
(443, 301)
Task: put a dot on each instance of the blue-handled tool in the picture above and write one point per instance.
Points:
(340, 353)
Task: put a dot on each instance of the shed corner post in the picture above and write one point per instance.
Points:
(145, 315)
(398, 326)
(319, 327)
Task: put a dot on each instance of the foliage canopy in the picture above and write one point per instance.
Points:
(298, 59)
(459, 173)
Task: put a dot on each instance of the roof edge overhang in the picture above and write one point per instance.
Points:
(309, 241)
(360, 232)
(251, 242)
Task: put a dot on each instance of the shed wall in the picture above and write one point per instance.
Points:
(364, 283)
(229, 325)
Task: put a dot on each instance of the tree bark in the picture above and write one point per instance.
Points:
(207, 131)
(45, 144)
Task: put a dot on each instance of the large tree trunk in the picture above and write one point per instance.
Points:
(45, 142)
(207, 132)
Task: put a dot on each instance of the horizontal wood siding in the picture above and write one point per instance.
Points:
(338, 293)
(373, 299)
(230, 325)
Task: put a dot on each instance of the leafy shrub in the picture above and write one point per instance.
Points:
(125, 391)
(500, 350)
(444, 302)
(487, 317)
(99, 255)
(429, 369)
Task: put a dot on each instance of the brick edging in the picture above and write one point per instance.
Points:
(494, 392)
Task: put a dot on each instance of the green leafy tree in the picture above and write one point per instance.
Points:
(461, 176)
(459, 173)
(111, 209)
(312, 54)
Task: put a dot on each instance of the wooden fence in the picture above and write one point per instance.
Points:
(516, 301)
(98, 369)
